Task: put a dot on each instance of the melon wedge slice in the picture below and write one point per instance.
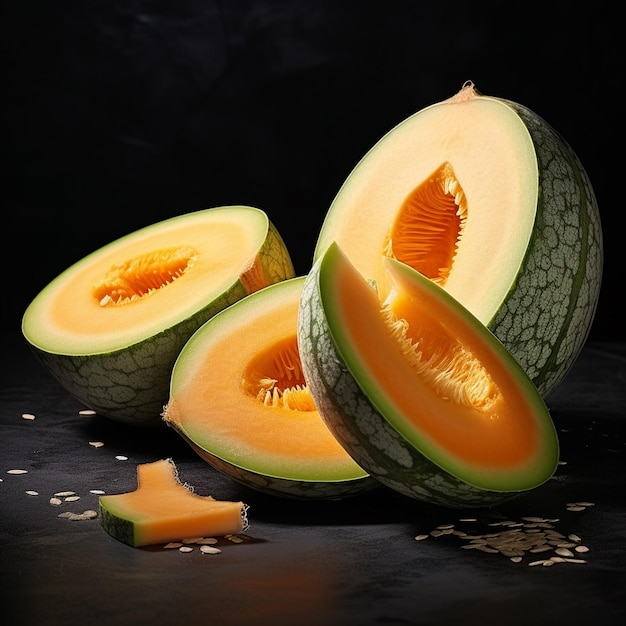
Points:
(110, 327)
(419, 392)
(163, 509)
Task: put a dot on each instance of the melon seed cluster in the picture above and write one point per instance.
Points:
(517, 539)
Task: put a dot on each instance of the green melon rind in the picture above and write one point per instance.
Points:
(131, 385)
(285, 487)
(119, 528)
(546, 317)
(360, 428)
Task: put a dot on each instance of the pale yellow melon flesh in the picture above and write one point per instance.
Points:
(452, 192)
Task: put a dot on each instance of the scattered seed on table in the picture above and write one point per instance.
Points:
(172, 544)
(581, 549)
(71, 499)
(64, 494)
(96, 444)
(207, 540)
(28, 416)
(185, 549)
(209, 550)
(30, 492)
(17, 471)
(89, 514)
(121, 457)
(514, 539)
(87, 412)
(55, 501)
(97, 492)
(192, 539)
(564, 552)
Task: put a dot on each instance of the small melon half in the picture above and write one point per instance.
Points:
(419, 392)
(110, 327)
(239, 398)
(486, 199)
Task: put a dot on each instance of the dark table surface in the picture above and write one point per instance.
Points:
(352, 562)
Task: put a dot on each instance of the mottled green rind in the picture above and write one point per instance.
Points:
(361, 429)
(547, 315)
(284, 487)
(121, 529)
(131, 385)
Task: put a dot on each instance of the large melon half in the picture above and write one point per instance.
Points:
(419, 392)
(483, 197)
(110, 327)
(239, 398)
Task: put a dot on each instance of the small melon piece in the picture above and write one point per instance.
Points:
(483, 197)
(163, 509)
(419, 392)
(239, 398)
(110, 327)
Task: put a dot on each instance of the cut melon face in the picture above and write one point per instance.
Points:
(163, 509)
(239, 398)
(481, 196)
(110, 327)
(417, 390)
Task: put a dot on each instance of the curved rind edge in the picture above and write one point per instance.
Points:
(547, 315)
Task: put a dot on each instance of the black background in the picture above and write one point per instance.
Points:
(121, 113)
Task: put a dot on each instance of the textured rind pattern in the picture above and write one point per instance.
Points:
(377, 447)
(131, 385)
(121, 529)
(546, 317)
(275, 259)
(283, 487)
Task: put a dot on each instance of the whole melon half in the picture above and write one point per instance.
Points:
(418, 391)
(483, 197)
(238, 397)
(110, 327)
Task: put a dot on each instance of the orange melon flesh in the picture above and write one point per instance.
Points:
(216, 381)
(148, 281)
(162, 509)
(482, 420)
